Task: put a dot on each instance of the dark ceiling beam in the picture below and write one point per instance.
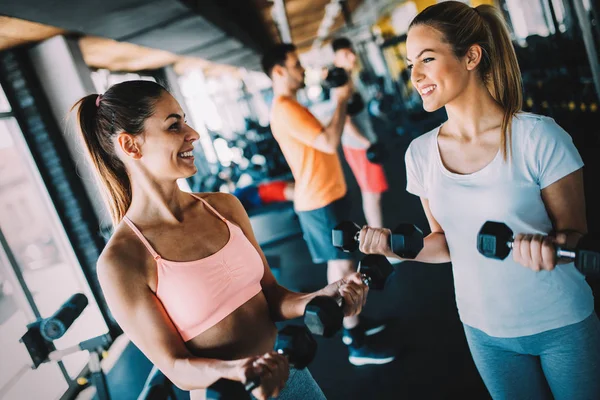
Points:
(205, 45)
(150, 28)
(238, 18)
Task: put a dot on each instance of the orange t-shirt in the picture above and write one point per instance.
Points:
(318, 175)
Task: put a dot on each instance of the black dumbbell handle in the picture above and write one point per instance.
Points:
(570, 254)
(255, 382)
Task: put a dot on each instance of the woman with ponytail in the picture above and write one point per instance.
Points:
(182, 273)
(529, 322)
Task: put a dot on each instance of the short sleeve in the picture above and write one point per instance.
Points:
(414, 173)
(555, 155)
(299, 122)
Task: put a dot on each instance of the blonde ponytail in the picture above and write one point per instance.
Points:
(504, 75)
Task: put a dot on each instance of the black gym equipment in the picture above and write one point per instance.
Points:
(337, 77)
(55, 327)
(495, 240)
(40, 335)
(376, 153)
(324, 315)
(355, 105)
(293, 341)
(297, 344)
(157, 387)
(406, 240)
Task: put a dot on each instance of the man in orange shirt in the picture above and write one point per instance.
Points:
(311, 151)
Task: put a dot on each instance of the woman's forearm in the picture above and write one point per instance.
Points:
(199, 373)
(285, 304)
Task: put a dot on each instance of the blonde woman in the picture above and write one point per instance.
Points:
(529, 322)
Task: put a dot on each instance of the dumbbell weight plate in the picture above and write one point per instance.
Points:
(355, 105)
(343, 236)
(323, 316)
(493, 239)
(407, 240)
(336, 77)
(377, 268)
(298, 343)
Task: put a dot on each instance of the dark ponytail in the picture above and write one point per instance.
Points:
(123, 108)
(464, 26)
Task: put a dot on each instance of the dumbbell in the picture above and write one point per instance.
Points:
(337, 77)
(297, 344)
(495, 240)
(323, 315)
(406, 240)
(355, 105)
(376, 153)
(293, 341)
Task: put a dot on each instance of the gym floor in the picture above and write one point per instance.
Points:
(433, 359)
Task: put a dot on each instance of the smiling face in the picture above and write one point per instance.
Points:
(165, 149)
(438, 75)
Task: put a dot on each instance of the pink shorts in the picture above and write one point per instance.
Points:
(370, 177)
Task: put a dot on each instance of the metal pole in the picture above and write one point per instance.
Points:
(18, 275)
(588, 40)
(279, 15)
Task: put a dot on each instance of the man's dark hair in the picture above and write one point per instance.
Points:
(276, 56)
(341, 43)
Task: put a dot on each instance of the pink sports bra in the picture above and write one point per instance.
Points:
(198, 294)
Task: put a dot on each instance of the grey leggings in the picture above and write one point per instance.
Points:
(563, 363)
(301, 386)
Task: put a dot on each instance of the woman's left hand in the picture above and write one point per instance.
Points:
(537, 252)
(352, 290)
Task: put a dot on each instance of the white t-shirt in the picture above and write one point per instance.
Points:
(324, 112)
(500, 297)
(363, 123)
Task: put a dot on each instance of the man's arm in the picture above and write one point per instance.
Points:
(329, 140)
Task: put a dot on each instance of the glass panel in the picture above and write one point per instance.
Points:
(527, 18)
(104, 79)
(46, 382)
(38, 241)
(17, 379)
(4, 106)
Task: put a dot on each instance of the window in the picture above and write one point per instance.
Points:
(44, 275)
(103, 79)
(528, 18)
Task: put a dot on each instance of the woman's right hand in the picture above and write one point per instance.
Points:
(272, 369)
(375, 241)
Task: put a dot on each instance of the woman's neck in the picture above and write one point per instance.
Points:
(472, 113)
(157, 201)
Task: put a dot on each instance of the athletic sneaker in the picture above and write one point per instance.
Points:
(365, 355)
(366, 327)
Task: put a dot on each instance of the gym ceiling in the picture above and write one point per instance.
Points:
(133, 35)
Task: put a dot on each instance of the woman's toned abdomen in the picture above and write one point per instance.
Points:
(247, 331)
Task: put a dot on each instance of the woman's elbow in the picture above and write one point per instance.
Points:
(174, 371)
